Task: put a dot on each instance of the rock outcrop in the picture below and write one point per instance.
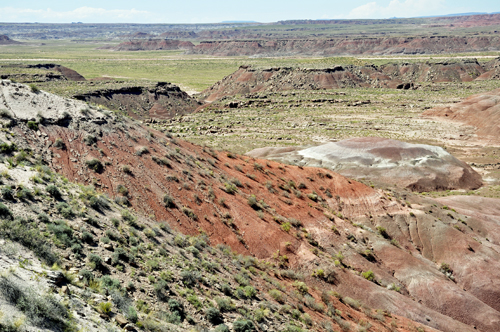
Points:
(417, 167)
(50, 72)
(5, 40)
(163, 101)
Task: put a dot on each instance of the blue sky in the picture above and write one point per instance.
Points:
(203, 11)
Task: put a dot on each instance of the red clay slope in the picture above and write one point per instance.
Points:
(481, 111)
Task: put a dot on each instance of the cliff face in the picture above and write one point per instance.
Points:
(349, 46)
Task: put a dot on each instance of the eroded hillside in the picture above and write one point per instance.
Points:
(390, 250)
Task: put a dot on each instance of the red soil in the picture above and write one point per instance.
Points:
(481, 111)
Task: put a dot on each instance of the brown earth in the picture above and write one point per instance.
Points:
(397, 75)
(349, 46)
(54, 72)
(211, 191)
(163, 101)
(417, 167)
(153, 44)
(481, 111)
(5, 40)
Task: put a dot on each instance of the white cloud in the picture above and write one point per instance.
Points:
(86, 14)
(396, 8)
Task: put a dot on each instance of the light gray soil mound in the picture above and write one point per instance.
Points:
(417, 167)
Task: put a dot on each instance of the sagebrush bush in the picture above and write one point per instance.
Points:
(224, 304)
(190, 278)
(43, 311)
(213, 315)
(243, 325)
(53, 191)
(5, 212)
(29, 235)
(95, 164)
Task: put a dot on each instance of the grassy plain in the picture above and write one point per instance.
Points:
(192, 72)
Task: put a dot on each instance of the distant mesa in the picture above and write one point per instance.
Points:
(153, 44)
(417, 167)
(481, 111)
(393, 75)
(349, 46)
(5, 40)
(50, 72)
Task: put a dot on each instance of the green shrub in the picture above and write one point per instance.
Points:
(195, 301)
(131, 315)
(5, 212)
(286, 226)
(277, 295)
(243, 325)
(25, 194)
(224, 304)
(43, 311)
(213, 315)
(7, 192)
(230, 188)
(7, 148)
(109, 283)
(62, 232)
(301, 287)
(43, 217)
(161, 290)
(95, 261)
(250, 292)
(382, 231)
(190, 278)
(32, 125)
(53, 191)
(94, 164)
(90, 139)
(34, 88)
(221, 328)
(65, 210)
(368, 275)
(105, 307)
